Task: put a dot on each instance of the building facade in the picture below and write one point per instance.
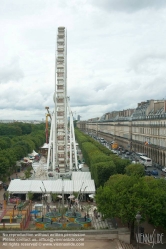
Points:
(141, 130)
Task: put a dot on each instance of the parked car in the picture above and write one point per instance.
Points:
(160, 167)
(164, 169)
(128, 153)
(115, 151)
(154, 172)
(127, 156)
(134, 162)
(147, 172)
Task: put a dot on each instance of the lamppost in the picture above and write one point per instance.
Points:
(138, 218)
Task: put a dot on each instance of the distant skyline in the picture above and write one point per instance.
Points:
(116, 55)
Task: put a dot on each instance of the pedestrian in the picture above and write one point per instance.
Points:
(85, 217)
(6, 187)
(42, 218)
(48, 208)
(0, 205)
(14, 207)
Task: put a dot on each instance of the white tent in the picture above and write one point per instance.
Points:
(45, 146)
(34, 153)
(54, 186)
(81, 175)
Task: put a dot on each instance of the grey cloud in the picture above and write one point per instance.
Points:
(128, 5)
(100, 86)
(16, 97)
(11, 72)
(148, 63)
(19, 7)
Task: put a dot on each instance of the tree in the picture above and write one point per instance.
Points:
(16, 142)
(28, 172)
(123, 196)
(135, 170)
(75, 194)
(120, 164)
(30, 195)
(53, 196)
(155, 206)
(102, 171)
(6, 195)
(4, 167)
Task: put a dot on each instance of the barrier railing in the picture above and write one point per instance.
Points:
(2, 214)
(12, 213)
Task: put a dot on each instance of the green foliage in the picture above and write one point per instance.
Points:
(54, 196)
(28, 172)
(4, 167)
(123, 196)
(75, 194)
(120, 164)
(99, 157)
(155, 206)
(135, 170)
(102, 148)
(20, 150)
(10, 129)
(102, 171)
(101, 161)
(16, 141)
(38, 138)
(6, 194)
(5, 142)
(81, 138)
(89, 150)
(30, 195)
(25, 127)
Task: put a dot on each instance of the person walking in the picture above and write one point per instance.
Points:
(48, 208)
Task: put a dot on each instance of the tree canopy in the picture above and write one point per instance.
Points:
(101, 161)
(16, 141)
(123, 196)
(135, 170)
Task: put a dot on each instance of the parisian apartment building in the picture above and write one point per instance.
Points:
(142, 129)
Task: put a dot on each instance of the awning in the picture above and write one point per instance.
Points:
(54, 186)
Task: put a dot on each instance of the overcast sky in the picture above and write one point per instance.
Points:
(116, 55)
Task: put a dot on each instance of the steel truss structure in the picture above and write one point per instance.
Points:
(62, 154)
